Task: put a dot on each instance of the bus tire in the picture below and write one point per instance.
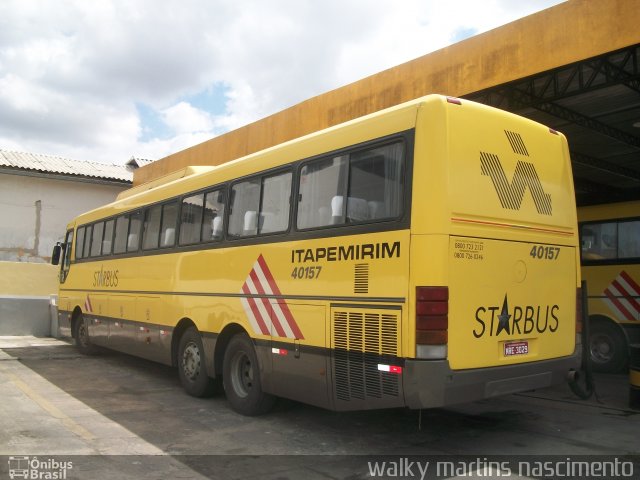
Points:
(81, 336)
(192, 367)
(607, 347)
(241, 378)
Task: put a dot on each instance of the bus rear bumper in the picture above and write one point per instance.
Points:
(431, 384)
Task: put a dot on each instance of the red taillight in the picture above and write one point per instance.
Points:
(435, 337)
(579, 310)
(432, 315)
(432, 322)
(432, 308)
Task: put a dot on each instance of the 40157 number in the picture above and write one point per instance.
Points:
(306, 273)
(542, 252)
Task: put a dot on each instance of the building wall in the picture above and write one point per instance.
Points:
(569, 32)
(35, 212)
(26, 291)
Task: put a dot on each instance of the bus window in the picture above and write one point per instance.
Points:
(79, 242)
(274, 210)
(151, 233)
(108, 237)
(96, 241)
(245, 203)
(191, 219)
(375, 184)
(133, 238)
(260, 205)
(168, 228)
(122, 229)
(212, 225)
(616, 240)
(322, 182)
(87, 240)
(365, 186)
(629, 239)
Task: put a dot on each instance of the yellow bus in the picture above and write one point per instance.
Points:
(420, 256)
(610, 241)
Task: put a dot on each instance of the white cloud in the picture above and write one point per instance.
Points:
(184, 118)
(72, 72)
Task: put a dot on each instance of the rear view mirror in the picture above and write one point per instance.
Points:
(55, 256)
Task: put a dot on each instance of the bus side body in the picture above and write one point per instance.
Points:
(322, 302)
(610, 243)
(330, 292)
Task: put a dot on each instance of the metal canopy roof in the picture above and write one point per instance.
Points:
(596, 104)
(50, 164)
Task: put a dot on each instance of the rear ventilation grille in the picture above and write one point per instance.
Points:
(361, 278)
(366, 332)
(360, 341)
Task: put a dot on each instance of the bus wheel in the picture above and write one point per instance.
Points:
(81, 335)
(241, 377)
(608, 347)
(191, 365)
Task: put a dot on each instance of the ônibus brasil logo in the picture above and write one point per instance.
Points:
(525, 175)
(37, 468)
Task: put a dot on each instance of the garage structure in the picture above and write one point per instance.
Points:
(574, 67)
(596, 104)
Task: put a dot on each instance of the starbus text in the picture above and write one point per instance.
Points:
(105, 278)
(522, 320)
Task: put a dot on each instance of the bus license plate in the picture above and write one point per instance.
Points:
(516, 348)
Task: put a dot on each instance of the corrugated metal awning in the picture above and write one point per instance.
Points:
(63, 166)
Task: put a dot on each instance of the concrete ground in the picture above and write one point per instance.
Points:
(115, 416)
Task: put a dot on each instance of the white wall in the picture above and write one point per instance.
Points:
(34, 212)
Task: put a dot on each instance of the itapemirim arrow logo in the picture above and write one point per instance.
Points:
(525, 175)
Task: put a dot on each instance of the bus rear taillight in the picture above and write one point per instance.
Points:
(579, 310)
(432, 322)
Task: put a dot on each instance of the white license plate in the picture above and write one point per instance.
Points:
(516, 348)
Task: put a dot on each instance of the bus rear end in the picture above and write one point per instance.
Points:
(494, 259)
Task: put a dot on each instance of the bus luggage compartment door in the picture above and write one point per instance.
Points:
(510, 302)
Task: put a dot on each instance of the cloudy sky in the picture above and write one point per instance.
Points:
(105, 80)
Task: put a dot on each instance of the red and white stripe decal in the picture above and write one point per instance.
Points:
(267, 316)
(87, 305)
(622, 297)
